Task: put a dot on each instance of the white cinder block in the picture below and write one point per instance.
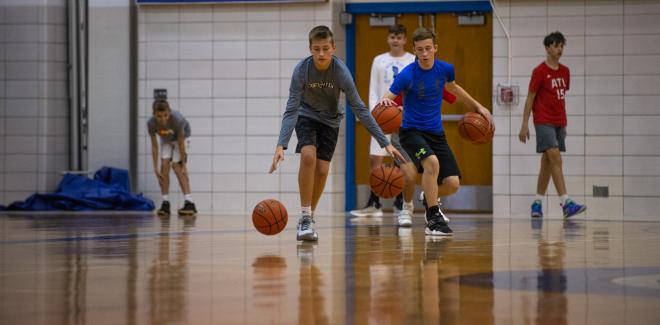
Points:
(263, 87)
(260, 163)
(295, 12)
(604, 65)
(604, 145)
(574, 186)
(263, 49)
(162, 70)
(296, 30)
(642, 24)
(229, 31)
(229, 145)
(641, 145)
(523, 184)
(21, 108)
(21, 52)
(604, 125)
(161, 14)
(642, 64)
(503, 125)
(604, 25)
(230, 13)
(288, 183)
(21, 126)
(20, 163)
(523, 66)
(200, 145)
(263, 30)
(260, 145)
(20, 182)
(229, 88)
(604, 85)
(229, 69)
(641, 207)
(263, 69)
(641, 105)
(21, 33)
(497, 28)
(528, 26)
(294, 49)
(501, 206)
(525, 165)
(642, 85)
(527, 9)
(229, 126)
(604, 165)
(20, 14)
(286, 68)
(161, 51)
(642, 44)
(501, 184)
(575, 145)
(263, 126)
(229, 107)
(500, 49)
(641, 125)
(196, 88)
(264, 13)
(229, 203)
(569, 26)
(228, 164)
(263, 182)
(24, 70)
(501, 144)
(200, 126)
(229, 50)
(520, 204)
(159, 32)
(573, 165)
(196, 50)
(223, 182)
(614, 184)
(22, 89)
(195, 32)
(641, 186)
(196, 107)
(604, 7)
(575, 64)
(641, 166)
(566, 8)
(263, 107)
(196, 13)
(199, 182)
(605, 105)
(610, 208)
(574, 104)
(604, 45)
(196, 69)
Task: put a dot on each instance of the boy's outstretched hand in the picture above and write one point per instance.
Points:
(277, 158)
(395, 153)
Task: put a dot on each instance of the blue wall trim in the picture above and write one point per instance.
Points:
(349, 181)
(417, 7)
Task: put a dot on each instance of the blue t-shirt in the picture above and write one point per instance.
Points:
(422, 90)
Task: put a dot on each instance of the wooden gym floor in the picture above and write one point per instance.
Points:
(139, 269)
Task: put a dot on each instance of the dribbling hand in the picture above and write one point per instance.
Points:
(277, 158)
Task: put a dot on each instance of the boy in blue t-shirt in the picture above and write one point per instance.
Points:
(421, 132)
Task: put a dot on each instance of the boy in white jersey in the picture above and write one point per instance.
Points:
(384, 69)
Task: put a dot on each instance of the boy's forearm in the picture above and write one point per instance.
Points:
(463, 95)
(528, 110)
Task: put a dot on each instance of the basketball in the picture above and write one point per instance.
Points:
(475, 128)
(388, 118)
(387, 182)
(269, 217)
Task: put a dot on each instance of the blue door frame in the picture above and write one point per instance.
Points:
(386, 8)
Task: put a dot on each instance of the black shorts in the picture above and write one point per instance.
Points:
(420, 144)
(317, 134)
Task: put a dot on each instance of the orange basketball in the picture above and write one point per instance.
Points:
(386, 182)
(269, 217)
(388, 118)
(475, 128)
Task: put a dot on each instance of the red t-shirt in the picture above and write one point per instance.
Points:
(550, 87)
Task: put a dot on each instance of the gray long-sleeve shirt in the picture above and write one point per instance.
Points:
(315, 94)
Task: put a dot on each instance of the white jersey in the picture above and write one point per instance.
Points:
(383, 70)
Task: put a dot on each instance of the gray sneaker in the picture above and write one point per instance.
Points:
(305, 229)
(371, 210)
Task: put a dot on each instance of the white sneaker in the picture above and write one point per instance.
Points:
(305, 230)
(368, 211)
(421, 198)
(404, 219)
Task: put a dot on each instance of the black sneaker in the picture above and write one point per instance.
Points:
(164, 210)
(437, 226)
(188, 209)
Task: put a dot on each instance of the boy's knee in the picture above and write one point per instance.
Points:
(554, 156)
(452, 183)
(308, 157)
(431, 165)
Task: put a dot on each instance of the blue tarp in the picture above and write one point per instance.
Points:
(109, 190)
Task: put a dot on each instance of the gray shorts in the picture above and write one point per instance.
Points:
(550, 136)
(396, 143)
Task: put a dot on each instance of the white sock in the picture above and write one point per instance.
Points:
(188, 197)
(408, 205)
(563, 199)
(166, 197)
(539, 197)
(307, 211)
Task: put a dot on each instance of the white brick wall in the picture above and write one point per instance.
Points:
(227, 68)
(613, 51)
(33, 107)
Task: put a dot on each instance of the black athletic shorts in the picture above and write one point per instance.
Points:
(315, 133)
(420, 144)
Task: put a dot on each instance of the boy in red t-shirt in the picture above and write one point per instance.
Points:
(546, 98)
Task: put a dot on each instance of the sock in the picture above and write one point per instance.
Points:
(307, 211)
(374, 198)
(188, 197)
(432, 211)
(539, 197)
(563, 199)
(166, 197)
(408, 206)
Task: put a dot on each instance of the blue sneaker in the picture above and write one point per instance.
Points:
(537, 209)
(571, 208)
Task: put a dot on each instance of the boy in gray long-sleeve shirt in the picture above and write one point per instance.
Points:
(313, 110)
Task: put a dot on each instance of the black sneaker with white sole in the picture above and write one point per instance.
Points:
(188, 209)
(164, 210)
(437, 226)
